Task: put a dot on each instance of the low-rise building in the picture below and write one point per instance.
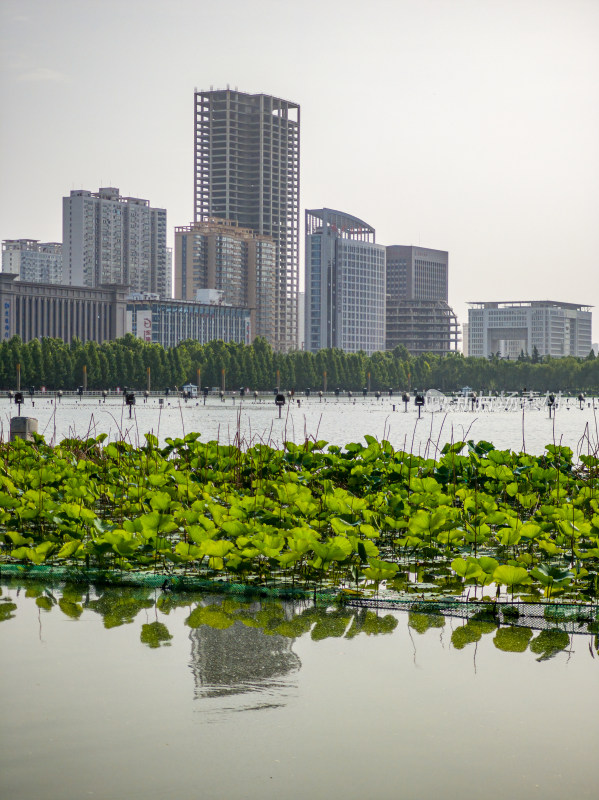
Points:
(34, 311)
(38, 310)
(548, 327)
(168, 322)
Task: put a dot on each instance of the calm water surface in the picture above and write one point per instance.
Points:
(336, 421)
(250, 700)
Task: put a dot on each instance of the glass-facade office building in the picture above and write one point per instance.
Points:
(345, 283)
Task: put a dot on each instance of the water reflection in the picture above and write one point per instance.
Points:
(240, 646)
(235, 649)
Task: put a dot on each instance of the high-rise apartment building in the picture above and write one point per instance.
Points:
(32, 260)
(109, 239)
(247, 157)
(418, 315)
(345, 283)
(218, 254)
(510, 328)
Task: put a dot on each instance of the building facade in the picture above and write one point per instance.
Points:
(247, 158)
(109, 239)
(345, 283)
(301, 321)
(416, 273)
(465, 352)
(418, 315)
(169, 322)
(219, 255)
(32, 260)
(36, 310)
(510, 328)
(422, 326)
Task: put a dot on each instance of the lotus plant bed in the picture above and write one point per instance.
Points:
(365, 521)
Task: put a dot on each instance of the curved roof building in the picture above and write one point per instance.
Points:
(345, 283)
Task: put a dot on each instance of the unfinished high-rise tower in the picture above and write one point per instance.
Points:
(247, 156)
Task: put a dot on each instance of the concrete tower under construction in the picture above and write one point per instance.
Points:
(247, 158)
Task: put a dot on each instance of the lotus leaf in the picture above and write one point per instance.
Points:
(511, 576)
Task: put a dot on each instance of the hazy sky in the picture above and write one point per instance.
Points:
(465, 125)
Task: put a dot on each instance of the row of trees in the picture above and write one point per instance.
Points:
(125, 362)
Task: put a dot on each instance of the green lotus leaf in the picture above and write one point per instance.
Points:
(122, 542)
(7, 501)
(508, 575)
(336, 549)
(216, 549)
(530, 531)
(155, 522)
(509, 537)
(380, 570)
(188, 551)
(160, 501)
(17, 539)
(233, 527)
(466, 568)
(68, 550)
(488, 564)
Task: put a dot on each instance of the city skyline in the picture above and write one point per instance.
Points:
(468, 127)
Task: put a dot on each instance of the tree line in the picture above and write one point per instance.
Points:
(125, 362)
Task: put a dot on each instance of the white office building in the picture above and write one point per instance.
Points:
(345, 283)
(109, 239)
(33, 261)
(510, 328)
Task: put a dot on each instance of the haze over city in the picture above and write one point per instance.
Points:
(467, 126)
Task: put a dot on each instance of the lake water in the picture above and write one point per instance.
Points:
(331, 709)
(336, 421)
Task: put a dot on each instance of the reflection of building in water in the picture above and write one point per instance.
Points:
(239, 659)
